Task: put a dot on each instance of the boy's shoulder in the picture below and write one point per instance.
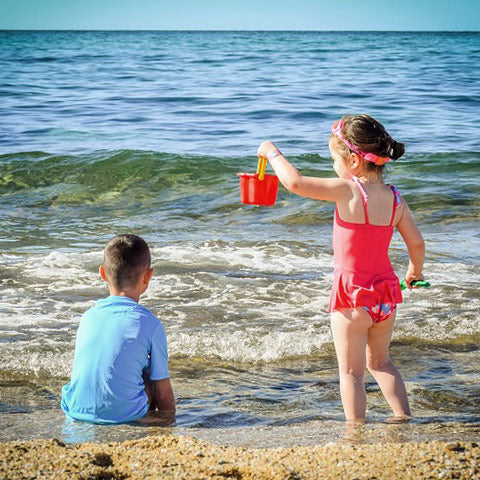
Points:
(124, 306)
(114, 315)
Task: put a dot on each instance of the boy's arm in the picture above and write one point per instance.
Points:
(163, 394)
(159, 374)
(415, 245)
(330, 189)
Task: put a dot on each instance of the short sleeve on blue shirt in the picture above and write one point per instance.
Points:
(159, 355)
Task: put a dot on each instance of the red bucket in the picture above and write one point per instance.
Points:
(254, 191)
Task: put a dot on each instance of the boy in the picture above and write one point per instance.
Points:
(120, 370)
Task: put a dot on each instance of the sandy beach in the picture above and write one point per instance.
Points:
(185, 457)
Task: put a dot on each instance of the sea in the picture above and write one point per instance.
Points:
(109, 132)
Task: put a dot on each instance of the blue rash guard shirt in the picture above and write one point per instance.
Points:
(117, 340)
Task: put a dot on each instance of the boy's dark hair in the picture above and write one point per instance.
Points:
(126, 257)
(369, 135)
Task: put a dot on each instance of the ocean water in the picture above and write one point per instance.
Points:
(144, 132)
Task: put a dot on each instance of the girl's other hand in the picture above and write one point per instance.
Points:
(412, 276)
(265, 148)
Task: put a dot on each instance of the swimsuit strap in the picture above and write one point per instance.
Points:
(396, 202)
(364, 196)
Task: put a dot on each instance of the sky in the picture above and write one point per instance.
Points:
(383, 15)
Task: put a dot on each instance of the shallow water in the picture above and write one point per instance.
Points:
(145, 132)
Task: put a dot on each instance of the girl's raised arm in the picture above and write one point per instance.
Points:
(330, 189)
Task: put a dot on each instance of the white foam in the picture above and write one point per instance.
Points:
(256, 344)
(29, 358)
(64, 270)
(236, 302)
(271, 257)
(447, 310)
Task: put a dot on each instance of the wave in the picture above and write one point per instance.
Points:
(106, 169)
(122, 169)
(252, 303)
(191, 189)
(250, 346)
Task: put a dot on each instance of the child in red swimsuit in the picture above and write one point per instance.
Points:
(365, 290)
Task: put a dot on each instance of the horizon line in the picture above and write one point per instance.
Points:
(225, 30)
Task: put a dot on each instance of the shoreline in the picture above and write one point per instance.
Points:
(175, 456)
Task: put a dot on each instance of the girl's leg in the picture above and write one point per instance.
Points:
(382, 368)
(350, 333)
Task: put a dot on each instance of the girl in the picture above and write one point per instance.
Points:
(365, 290)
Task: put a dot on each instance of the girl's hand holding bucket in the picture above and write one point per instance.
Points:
(258, 188)
(265, 148)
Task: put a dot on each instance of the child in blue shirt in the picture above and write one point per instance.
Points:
(120, 370)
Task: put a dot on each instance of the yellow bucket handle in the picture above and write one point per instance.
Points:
(261, 167)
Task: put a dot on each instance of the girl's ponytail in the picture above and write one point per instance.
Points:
(397, 150)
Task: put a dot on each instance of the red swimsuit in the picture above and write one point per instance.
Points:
(363, 275)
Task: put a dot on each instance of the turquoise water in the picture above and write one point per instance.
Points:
(107, 132)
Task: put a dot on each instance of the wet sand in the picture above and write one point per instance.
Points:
(181, 457)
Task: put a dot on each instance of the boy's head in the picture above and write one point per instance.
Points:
(126, 259)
